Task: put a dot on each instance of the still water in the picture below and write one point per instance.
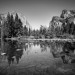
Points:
(37, 58)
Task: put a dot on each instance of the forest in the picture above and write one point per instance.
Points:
(62, 26)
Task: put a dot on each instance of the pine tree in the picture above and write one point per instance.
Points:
(25, 31)
(7, 29)
(12, 26)
(18, 26)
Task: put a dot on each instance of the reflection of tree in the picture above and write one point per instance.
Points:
(36, 43)
(65, 51)
(18, 55)
(26, 47)
(56, 48)
(68, 49)
(10, 51)
(43, 46)
(13, 50)
(30, 45)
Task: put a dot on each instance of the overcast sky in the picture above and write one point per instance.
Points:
(37, 12)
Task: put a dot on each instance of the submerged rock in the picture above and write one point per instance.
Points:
(3, 53)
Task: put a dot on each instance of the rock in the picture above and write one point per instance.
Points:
(18, 49)
(3, 53)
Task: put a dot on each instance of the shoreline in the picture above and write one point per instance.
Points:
(53, 39)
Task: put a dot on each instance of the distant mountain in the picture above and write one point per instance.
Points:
(56, 21)
(66, 16)
(22, 17)
(67, 13)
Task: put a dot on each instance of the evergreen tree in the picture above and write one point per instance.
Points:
(18, 26)
(72, 28)
(12, 26)
(7, 30)
(25, 31)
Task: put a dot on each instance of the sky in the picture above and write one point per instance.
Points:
(37, 12)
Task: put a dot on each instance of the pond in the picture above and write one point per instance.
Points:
(37, 58)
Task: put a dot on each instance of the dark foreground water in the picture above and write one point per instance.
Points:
(37, 58)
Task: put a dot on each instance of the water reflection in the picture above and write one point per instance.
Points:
(63, 50)
(69, 52)
(38, 53)
(43, 46)
(13, 50)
